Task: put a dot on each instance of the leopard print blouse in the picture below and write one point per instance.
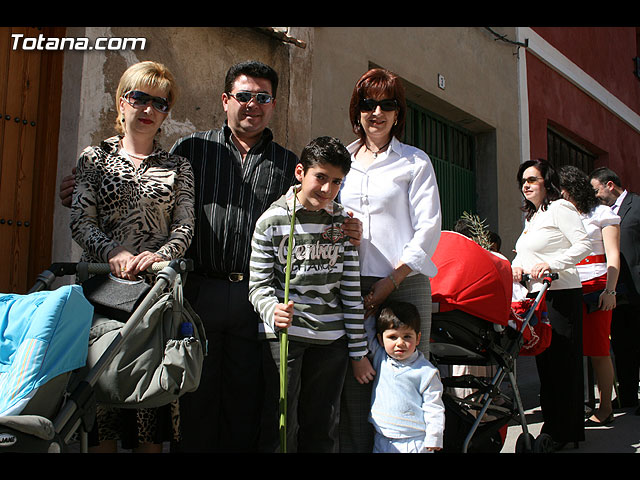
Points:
(146, 208)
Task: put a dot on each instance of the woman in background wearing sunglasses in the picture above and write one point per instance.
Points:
(133, 206)
(554, 240)
(392, 189)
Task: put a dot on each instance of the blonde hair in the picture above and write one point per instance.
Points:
(145, 74)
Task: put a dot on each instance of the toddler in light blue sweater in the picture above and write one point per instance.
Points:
(406, 405)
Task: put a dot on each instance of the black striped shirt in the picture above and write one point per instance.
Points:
(230, 195)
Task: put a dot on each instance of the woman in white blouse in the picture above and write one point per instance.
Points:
(555, 240)
(599, 276)
(391, 188)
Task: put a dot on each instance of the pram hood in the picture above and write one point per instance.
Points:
(471, 279)
(42, 335)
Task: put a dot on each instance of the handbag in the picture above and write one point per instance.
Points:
(591, 296)
(156, 363)
(114, 297)
(537, 334)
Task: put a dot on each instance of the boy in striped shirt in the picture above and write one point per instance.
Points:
(325, 315)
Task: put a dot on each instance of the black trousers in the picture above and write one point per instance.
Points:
(560, 368)
(315, 376)
(625, 343)
(223, 415)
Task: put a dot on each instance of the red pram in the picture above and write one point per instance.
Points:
(478, 282)
(476, 322)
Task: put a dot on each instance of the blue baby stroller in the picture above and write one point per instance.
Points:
(49, 379)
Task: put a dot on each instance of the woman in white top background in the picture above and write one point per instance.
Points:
(599, 276)
(391, 188)
(555, 240)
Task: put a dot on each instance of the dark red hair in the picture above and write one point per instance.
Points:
(378, 83)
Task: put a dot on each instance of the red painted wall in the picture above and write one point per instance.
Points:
(606, 54)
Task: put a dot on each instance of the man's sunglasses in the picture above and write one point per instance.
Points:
(245, 97)
(137, 99)
(369, 104)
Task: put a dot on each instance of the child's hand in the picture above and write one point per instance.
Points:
(283, 315)
(362, 370)
(353, 228)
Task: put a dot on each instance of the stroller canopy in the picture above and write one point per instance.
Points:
(471, 279)
(42, 335)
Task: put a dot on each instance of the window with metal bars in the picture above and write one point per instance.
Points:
(562, 151)
(452, 152)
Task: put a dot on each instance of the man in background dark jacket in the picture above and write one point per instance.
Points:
(625, 323)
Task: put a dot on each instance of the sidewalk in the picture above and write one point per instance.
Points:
(622, 436)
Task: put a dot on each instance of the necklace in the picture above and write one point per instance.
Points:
(381, 149)
(137, 157)
(131, 155)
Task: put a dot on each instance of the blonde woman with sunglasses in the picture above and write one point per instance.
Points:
(133, 206)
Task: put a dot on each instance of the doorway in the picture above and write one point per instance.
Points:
(30, 92)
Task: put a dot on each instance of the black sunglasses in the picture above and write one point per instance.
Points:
(245, 97)
(137, 99)
(386, 105)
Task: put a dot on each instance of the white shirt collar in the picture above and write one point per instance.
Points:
(616, 206)
(395, 145)
(404, 363)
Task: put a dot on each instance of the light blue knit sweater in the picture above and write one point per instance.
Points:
(407, 398)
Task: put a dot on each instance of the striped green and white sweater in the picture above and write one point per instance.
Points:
(325, 275)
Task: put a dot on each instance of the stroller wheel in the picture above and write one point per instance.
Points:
(521, 443)
(543, 444)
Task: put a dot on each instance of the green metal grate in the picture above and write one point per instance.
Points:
(452, 152)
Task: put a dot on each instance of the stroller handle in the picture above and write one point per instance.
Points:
(546, 279)
(83, 269)
(102, 268)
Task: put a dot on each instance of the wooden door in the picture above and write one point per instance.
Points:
(30, 84)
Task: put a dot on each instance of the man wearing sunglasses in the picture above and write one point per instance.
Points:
(249, 105)
(239, 171)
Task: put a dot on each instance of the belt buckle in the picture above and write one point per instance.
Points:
(235, 277)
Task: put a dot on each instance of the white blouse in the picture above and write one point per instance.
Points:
(555, 236)
(594, 221)
(396, 198)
